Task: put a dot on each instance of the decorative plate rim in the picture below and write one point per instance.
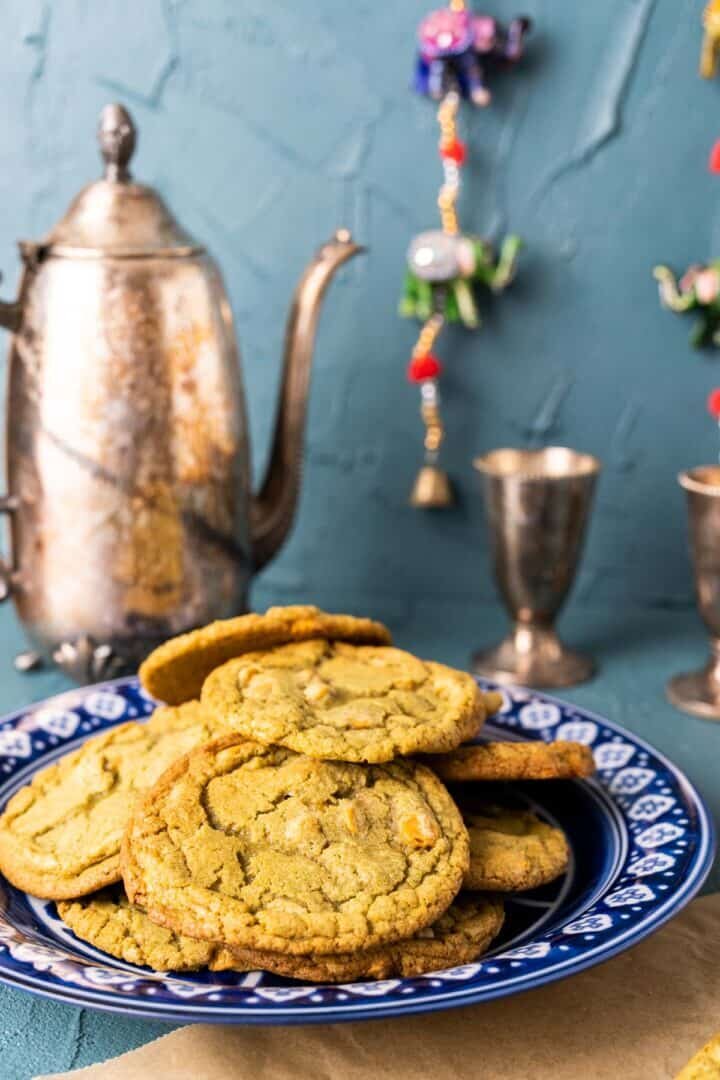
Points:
(32, 977)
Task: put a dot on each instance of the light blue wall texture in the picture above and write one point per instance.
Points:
(267, 124)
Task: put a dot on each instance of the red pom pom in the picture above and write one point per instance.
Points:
(455, 151)
(425, 367)
(713, 403)
(714, 161)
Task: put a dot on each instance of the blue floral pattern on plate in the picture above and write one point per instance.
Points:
(642, 844)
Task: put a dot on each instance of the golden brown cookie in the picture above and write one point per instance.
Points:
(515, 761)
(341, 702)
(110, 922)
(513, 850)
(459, 936)
(493, 702)
(176, 670)
(258, 847)
(705, 1065)
(60, 835)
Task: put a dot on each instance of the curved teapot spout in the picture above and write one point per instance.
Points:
(274, 506)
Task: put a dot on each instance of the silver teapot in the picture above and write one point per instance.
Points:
(131, 517)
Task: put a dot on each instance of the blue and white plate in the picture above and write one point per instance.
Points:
(641, 837)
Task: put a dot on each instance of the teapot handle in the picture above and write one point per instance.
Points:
(10, 314)
(8, 505)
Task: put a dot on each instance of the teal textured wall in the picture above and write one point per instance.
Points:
(268, 124)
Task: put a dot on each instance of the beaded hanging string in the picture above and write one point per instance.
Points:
(698, 289)
(445, 266)
(452, 152)
(425, 367)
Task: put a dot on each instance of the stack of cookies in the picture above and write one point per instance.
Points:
(286, 809)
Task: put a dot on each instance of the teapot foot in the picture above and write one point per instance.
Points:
(87, 661)
(28, 661)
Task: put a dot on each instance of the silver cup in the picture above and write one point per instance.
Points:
(537, 504)
(698, 692)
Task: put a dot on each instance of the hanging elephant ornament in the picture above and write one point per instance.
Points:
(697, 290)
(444, 272)
(446, 267)
(455, 46)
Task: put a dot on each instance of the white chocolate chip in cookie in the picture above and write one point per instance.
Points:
(418, 830)
(246, 675)
(303, 827)
(350, 817)
(316, 691)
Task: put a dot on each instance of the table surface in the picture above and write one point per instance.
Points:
(636, 652)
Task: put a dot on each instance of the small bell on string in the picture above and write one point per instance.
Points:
(431, 490)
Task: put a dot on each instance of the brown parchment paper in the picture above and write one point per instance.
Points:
(640, 1016)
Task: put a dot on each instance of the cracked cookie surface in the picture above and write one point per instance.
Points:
(60, 835)
(515, 761)
(176, 670)
(259, 847)
(342, 702)
(108, 921)
(513, 850)
(459, 936)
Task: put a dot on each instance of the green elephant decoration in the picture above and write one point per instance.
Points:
(442, 270)
(697, 290)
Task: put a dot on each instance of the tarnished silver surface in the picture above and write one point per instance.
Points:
(698, 692)
(537, 503)
(128, 460)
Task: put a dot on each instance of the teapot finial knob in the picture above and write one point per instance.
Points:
(117, 137)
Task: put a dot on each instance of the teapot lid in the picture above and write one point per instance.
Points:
(116, 216)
